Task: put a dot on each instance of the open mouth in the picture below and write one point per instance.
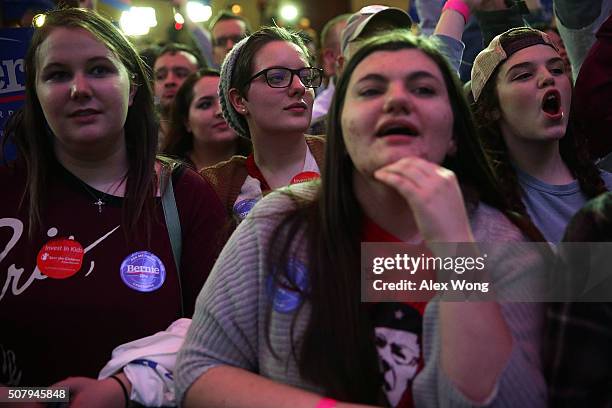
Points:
(398, 130)
(551, 104)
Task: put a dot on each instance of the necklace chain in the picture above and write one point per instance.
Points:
(101, 201)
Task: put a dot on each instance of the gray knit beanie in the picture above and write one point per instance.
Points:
(233, 118)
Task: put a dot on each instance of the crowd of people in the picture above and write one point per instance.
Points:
(185, 225)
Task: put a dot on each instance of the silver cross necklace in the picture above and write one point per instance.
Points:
(101, 201)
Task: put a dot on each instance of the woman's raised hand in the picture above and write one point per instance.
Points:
(434, 196)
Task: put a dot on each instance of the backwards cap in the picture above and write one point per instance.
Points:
(499, 50)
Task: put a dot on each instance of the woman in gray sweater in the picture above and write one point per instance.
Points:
(280, 321)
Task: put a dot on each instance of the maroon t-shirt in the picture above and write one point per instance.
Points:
(126, 287)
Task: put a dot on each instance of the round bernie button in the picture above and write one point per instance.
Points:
(242, 208)
(284, 298)
(143, 271)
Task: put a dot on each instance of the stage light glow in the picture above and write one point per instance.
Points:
(138, 20)
(289, 12)
(198, 12)
(39, 20)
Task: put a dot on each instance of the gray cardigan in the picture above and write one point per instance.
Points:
(230, 322)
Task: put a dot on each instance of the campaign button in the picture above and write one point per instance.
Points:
(143, 271)
(305, 176)
(285, 299)
(60, 258)
(242, 208)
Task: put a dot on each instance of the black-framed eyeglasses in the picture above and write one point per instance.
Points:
(280, 77)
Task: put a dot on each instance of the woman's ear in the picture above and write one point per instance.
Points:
(451, 150)
(238, 101)
(187, 127)
(340, 64)
(133, 89)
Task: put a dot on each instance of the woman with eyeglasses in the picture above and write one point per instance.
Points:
(266, 94)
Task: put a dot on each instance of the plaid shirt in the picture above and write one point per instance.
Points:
(579, 354)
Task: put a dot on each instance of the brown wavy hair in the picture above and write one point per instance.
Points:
(572, 147)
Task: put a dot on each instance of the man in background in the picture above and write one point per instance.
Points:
(226, 29)
(330, 51)
(173, 64)
(365, 23)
